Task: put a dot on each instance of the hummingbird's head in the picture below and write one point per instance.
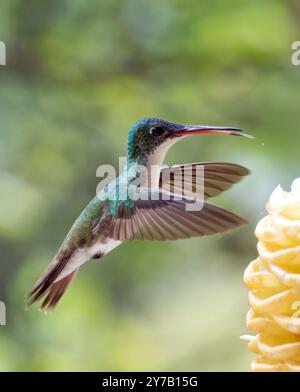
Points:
(150, 138)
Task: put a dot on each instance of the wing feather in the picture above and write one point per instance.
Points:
(217, 178)
(162, 219)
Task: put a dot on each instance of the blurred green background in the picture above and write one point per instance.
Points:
(78, 75)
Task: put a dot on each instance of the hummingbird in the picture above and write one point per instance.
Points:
(107, 222)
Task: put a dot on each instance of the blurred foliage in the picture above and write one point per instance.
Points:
(78, 75)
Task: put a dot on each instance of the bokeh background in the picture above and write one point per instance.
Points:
(78, 75)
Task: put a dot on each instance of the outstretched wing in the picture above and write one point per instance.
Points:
(170, 220)
(212, 178)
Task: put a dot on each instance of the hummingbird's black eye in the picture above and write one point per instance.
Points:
(157, 131)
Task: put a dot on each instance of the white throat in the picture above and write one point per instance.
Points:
(156, 160)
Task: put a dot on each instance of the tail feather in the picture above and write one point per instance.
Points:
(48, 284)
(56, 291)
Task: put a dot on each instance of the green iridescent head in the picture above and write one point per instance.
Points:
(147, 134)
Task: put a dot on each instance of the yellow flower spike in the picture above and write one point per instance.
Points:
(273, 280)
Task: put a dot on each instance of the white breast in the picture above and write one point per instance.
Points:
(81, 255)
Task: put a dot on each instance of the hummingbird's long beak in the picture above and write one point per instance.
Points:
(207, 129)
